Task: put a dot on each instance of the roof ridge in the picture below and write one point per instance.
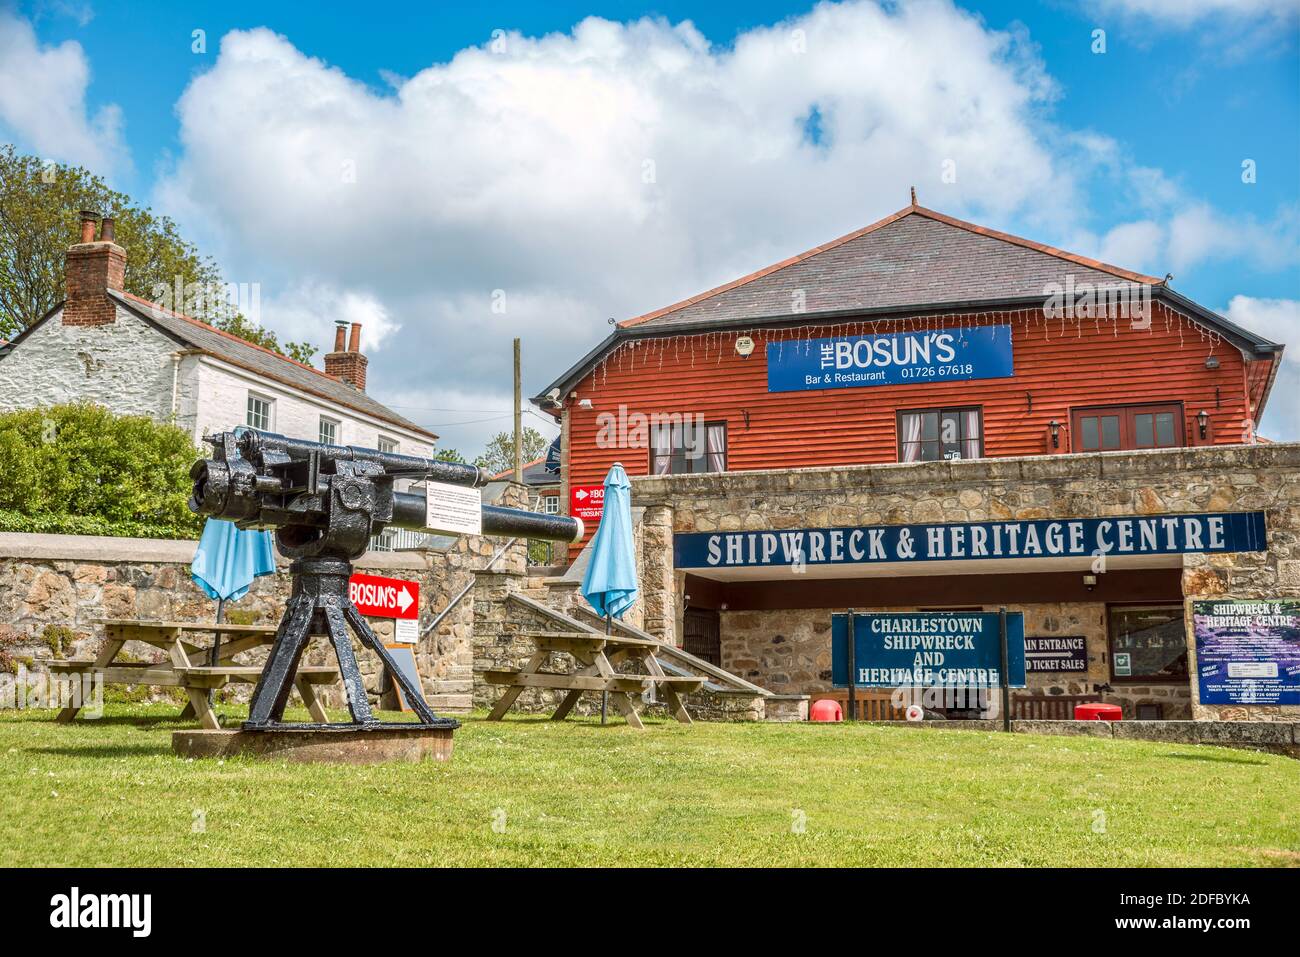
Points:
(912, 209)
(229, 335)
(393, 418)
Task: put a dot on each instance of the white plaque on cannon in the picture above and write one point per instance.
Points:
(452, 509)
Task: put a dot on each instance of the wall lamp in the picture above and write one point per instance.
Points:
(1203, 421)
(1056, 433)
(1090, 582)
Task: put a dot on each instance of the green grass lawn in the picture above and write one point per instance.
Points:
(531, 792)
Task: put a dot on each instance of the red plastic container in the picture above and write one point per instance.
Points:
(825, 710)
(1096, 711)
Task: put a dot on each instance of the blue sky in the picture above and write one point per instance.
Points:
(468, 180)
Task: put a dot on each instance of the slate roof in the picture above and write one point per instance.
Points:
(916, 260)
(916, 256)
(261, 361)
(535, 474)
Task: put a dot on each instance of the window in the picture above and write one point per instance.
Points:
(329, 431)
(687, 446)
(931, 435)
(387, 445)
(259, 412)
(1148, 643)
(551, 504)
(1128, 427)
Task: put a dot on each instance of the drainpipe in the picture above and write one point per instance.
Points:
(176, 377)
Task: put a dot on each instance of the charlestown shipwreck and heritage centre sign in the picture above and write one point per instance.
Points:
(928, 650)
(961, 541)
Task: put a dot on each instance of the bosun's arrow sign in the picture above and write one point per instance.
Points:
(381, 597)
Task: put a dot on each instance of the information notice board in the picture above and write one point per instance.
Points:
(1247, 652)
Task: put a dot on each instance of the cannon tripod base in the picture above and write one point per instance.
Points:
(319, 605)
(329, 743)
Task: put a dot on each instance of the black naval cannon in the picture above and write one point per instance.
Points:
(325, 502)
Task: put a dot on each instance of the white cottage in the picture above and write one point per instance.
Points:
(104, 345)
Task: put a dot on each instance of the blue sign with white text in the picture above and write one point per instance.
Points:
(898, 358)
(1211, 532)
(928, 650)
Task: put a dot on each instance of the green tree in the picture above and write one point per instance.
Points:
(39, 219)
(500, 452)
(450, 455)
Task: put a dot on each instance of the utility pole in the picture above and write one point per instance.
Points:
(519, 421)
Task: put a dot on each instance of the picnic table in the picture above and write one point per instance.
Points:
(186, 665)
(594, 657)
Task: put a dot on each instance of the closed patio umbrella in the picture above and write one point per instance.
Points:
(610, 583)
(226, 562)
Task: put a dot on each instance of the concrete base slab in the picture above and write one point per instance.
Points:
(346, 745)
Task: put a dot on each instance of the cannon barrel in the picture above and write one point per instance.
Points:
(269, 448)
(409, 512)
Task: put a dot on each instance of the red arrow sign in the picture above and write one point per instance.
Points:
(384, 597)
(587, 502)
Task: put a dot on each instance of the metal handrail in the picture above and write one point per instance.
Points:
(464, 591)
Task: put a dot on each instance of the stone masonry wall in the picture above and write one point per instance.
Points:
(1237, 478)
(66, 581)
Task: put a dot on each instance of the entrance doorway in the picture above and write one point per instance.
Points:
(702, 634)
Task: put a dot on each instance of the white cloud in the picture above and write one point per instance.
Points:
(616, 168)
(307, 311)
(1184, 13)
(1279, 320)
(603, 172)
(43, 101)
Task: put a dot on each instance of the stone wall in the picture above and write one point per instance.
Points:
(67, 581)
(1239, 478)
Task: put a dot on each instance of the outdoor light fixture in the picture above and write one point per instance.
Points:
(1203, 420)
(1212, 362)
(584, 403)
(1090, 582)
(1056, 433)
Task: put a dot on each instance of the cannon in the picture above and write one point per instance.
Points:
(325, 503)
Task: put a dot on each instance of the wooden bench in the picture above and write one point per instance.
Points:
(595, 655)
(179, 670)
(1049, 707)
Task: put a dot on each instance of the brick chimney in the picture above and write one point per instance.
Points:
(90, 269)
(347, 362)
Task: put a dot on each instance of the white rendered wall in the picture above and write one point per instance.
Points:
(125, 366)
(220, 394)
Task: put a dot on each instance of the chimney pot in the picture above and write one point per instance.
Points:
(354, 345)
(340, 335)
(90, 270)
(107, 230)
(88, 220)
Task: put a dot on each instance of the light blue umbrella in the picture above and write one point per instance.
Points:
(226, 562)
(610, 581)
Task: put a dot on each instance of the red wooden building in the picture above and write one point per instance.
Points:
(1132, 365)
(790, 394)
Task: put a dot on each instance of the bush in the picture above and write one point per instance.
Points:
(79, 469)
